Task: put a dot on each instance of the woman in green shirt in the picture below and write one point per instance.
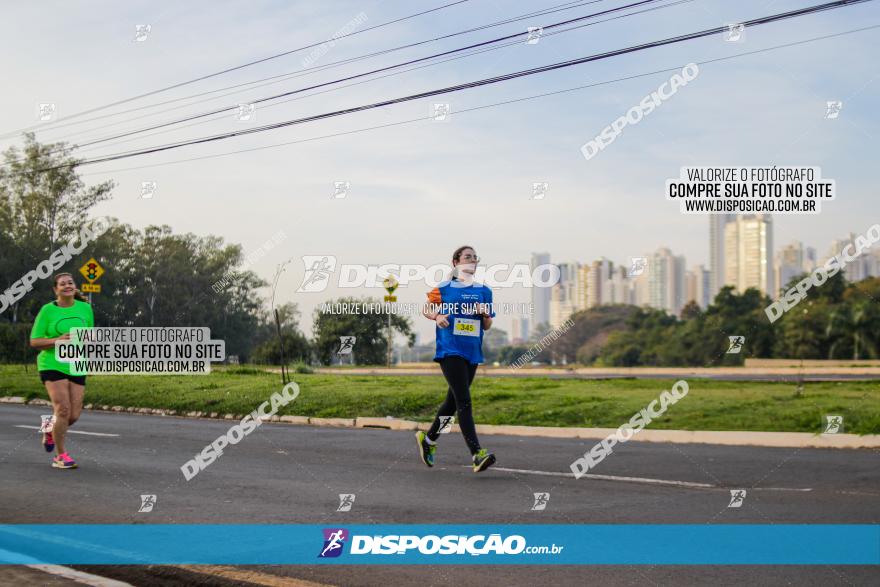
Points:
(54, 322)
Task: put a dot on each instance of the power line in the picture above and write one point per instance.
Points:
(483, 107)
(244, 65)
(307, 71)
(475, 52)
(477, 83)
(360, 75)
(469, 85)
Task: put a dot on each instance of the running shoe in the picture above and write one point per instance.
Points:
(483, 460)
(63, 461)
(48, 442)
(426, 450)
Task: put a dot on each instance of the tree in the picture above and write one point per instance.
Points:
(370, 330)
(43, 202)
(296, 345)
(494, 340)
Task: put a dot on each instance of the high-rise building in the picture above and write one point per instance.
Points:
(619, 288)
(703, 286)
(519, 329)
(690, 287)
(600, 273)
(748, 253)
(640, 294)
(540, 295)
(717, 225)
(792, 260)
(697, 286)
(872, 259)
(565, 295)
(666, 281)
(583, 279)
(859, 268)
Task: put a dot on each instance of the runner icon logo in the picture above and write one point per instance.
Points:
(346, 345)
(735, 33)
(541, 500)
(148, 189)
(141, 32)
(46, 111)
(334, 541)
(346, 500)
(832, 109)
(317, 272)
(47, 423)
(340, 189)
(147, 503)
(736, 344)
(440, 112)
(446, 423)
(539, 189)
(737, 497)
(246, 112)
(534, 35)
(833, 424)
(637, 266)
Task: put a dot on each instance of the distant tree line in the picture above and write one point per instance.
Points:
(153, 276)
(839, 320)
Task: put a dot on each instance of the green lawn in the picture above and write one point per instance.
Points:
(710, 405)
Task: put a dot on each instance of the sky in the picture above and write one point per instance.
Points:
(421, 189)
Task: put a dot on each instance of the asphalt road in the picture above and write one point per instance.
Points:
(294, 474)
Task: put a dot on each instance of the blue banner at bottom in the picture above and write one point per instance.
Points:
(277, 544)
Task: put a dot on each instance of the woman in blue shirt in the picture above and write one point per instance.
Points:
(462, 310)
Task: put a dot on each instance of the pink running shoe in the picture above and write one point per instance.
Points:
(63, 461)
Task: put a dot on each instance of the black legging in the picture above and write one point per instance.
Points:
(459, 373)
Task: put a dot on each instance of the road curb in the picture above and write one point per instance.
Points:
(730, 438)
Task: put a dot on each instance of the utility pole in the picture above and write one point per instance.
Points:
(285, 379)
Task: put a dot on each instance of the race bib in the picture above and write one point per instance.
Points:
(466, 327)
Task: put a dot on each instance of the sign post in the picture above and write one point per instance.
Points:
(390, 284)
(92, 271)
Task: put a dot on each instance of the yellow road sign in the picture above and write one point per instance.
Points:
(92, 270)
(91, 288)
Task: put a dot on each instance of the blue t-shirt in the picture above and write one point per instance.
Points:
(464, 335)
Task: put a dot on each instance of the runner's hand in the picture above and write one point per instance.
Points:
(442, 320)
(64, 337)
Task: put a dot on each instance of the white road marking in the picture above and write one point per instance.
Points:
(641, 480)
(60, 571)
(69, 431)
(79, 576)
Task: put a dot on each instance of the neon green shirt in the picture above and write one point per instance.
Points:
(52, 322)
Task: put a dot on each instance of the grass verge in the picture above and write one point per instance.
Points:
(709, 405)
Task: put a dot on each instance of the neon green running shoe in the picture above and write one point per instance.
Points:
(426, 450)
(483, 460)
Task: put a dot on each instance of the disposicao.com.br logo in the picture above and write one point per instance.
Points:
(319, 270)
(430, 544)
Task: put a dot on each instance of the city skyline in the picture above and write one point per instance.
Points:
(747, 257)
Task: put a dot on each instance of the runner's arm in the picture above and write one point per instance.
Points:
(432, 306)
(39, 331)
(44, 344)
(487, 313)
